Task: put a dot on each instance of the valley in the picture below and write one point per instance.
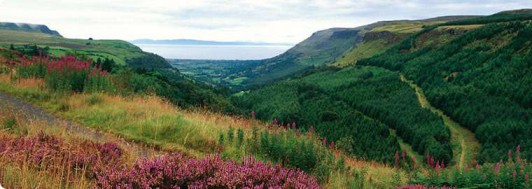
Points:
(431, 103)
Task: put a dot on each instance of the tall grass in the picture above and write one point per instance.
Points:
(47, 161)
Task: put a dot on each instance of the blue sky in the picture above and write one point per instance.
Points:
(285, 21)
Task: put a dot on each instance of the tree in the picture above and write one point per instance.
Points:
(45, 51)
(108, 64)
(12, 47)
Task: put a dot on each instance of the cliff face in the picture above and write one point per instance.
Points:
(29, 27)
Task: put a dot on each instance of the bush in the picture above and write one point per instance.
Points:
(175, 171)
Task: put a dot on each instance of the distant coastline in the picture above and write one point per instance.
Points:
(202, 42)
(215, 52)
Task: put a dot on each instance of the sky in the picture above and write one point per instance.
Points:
(276, 21)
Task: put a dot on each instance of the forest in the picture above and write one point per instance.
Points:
(354, 107)
(481, 79)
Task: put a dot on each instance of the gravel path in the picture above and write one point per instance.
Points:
(31, 112)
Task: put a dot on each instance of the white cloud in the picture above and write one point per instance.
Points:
(229, 20)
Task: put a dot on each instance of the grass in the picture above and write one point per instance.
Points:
(59, 46)
(402, 27)
(16, 174)
(408, 149)
(461, 27)
(369, 48)
(151, 120)
(465, 147)
(238, 81)
(365, 49)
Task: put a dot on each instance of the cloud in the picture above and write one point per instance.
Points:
(229, 20)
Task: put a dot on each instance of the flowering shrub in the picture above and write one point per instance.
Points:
(57, 156)
(175, 171)
(434, 163)
(402, 160)
(103, 163)
(65, 74)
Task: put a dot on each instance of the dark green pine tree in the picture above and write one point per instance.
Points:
(108, 64)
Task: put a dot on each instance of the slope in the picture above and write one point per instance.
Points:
(150, 120)
(479, 78)
(327, 46)
(358, 88)
(356, 107)
(142, 71)
(30, 114)
(383, 35)
(465, 146)
(29, 27)
(335, 46)
(120, 51)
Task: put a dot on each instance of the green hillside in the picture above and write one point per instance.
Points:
(69, 115)
(476, 70)
(421, 89)
(335, 46)
(121, 52)
(141, 71)
(384, 35)
(481, 78)
(356, 107)
(436, 103)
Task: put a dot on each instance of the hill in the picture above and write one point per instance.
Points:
(423, 90)
(338, 46)
(461, 65)
(149, 72)
(443, 102)
(480, 78)
(121, 52)
(29, 27)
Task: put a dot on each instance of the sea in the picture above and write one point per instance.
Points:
(215, 52)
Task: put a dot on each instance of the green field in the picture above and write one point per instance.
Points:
(117, 50)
